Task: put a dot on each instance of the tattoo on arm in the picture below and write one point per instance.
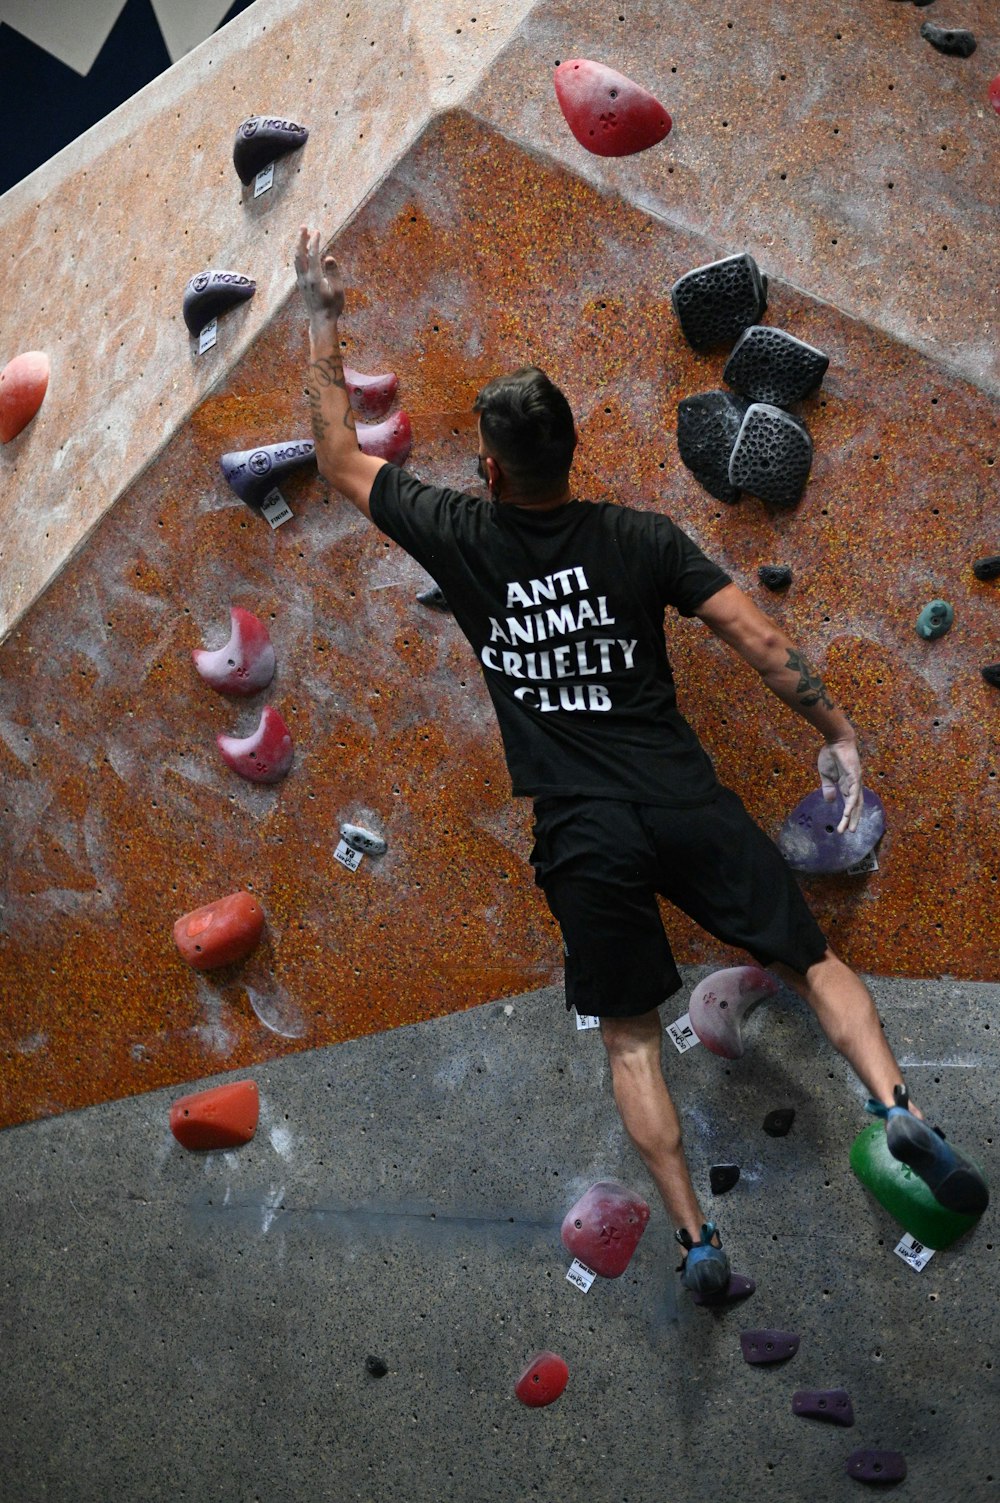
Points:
(810, 688)
(328, 371)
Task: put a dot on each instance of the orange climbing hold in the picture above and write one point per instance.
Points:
(220, 933)
(23, 384)
(224, 1116)
(609, 114)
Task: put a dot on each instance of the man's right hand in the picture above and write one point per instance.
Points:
(840, 771)
(319, 278)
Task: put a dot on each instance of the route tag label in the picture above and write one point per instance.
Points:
(585, 1020)
(867, 863)
(580, 1276)
(913, 1252)
(682, 1035)
(263, 180)
(348, 856)
(208, 336)
(276, 509)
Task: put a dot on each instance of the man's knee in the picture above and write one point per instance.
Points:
(629, 1040)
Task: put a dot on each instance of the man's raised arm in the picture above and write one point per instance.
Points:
(340, 460)
(737, 621)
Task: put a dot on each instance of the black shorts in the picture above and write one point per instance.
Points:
(601, 863)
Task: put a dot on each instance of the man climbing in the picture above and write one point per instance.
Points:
(563, 601)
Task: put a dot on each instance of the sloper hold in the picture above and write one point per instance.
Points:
(769, 365)
(721, 1001)
(542, 1381)
(956, 43)
(246, 663)
(739, 1287)
(365, 841)
(604, 1227)
(808, 838)
(723, 1177)
(262, 139)
(220, 933)
(708, 426)
(391, 440)
(772, 455)
(23, 384)
(903, 1193)
(264, 757)
(716, 302)
(251, 473)
(935, 619)
(876, 1466)
(371, 396)
(987, 568)
(212, 293)
(830, 1404)
(778, 1124)
(775, 576)
(765, 1346)
(223, 1117)
(609, 114)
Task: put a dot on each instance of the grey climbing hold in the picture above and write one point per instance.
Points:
(987, 568)
(772, 455)
(955, 43)
(876, 1466)
(992, 675)
(830, 1404)
(769, 365)
(365, 841)
(762, 1347)
(252, 473)
(808, 837)
(775, 576)
(934, 620)
(778, 1124)
(716, 302)
(435, 599)
(212, 293)
(376, 1366)
(723, 1177)
(262, 139)
(708, 426)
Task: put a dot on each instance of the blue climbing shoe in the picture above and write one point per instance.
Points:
(952, 1179)
(705, 1269)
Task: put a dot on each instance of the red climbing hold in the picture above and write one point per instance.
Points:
(542, 1381)
(371, 396)
(993, 93)
(220, 933)
(604, 1227)
(246, 663)
(264, 757)
(391, 440)
(223, 1117)
(609, 114)
(23, 384)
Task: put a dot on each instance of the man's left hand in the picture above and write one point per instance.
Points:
(840, 771)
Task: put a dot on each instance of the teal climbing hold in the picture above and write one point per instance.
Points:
(903, 1193)
(934, 620)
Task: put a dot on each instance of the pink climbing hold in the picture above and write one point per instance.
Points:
(264, 757)
(721, 1001)
(371, 396)
(542, 1381)
(609, 114)
(23, 384)
(391, 440)
(993, 93)
(604, 1227)
(246, 663)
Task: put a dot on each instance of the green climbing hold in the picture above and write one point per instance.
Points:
(934, 620)
(903, 1194)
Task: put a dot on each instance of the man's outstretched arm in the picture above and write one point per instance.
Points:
(787, 672)
(340, 460)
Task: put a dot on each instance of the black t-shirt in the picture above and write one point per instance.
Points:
(564, 610)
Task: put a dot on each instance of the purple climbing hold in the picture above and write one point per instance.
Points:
(876, 1466)
(212, 293)
(723, 1177)
(721, 1001)
(762, 1347)
(809, 842)
(945, 39)
(262, 139)
(739, 1287)
(604, 1227)
(831, 1404)
(987, 568)
(252, 473)
(778, 1124)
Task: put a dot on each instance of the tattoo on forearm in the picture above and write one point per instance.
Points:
(810, 689)
(328, 371)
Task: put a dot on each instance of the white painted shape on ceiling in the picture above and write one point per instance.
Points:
(74, 31)
(187, 23)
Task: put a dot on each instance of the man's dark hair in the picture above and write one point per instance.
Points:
(528, 424)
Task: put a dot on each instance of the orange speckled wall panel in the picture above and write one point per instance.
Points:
(118, 814)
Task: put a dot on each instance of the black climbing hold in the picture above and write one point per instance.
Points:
(831, 1404)
(987, 568)
(955, 43)
(716, 302)
(775, 576)
(376, 1366)
(262, 139)
(435, 598)
(772, 455)
(876, 1466)
(253, 472)
(768, 365)
(777, 1124)
(761, 1347)
(211, 293)
(992, 675)
(739, 1287)
(707, 428)
(723, 1177)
